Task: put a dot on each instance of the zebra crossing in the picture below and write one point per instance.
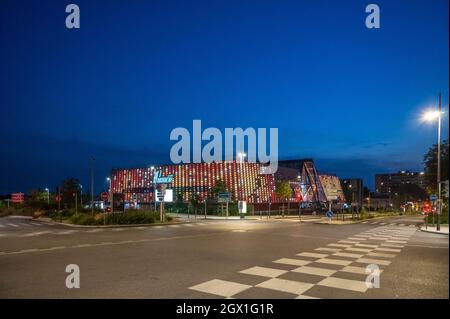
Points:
(340, 265)
(388, 224)
(65, 231)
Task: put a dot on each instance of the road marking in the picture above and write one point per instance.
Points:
(315, 271)
(401, 224)
(388, 249)
(94, 230)
(36, 234)
(364, 250)
(373, 261)
(294, 262)
(381, 255)
(293, 287)
(264, 272)
(348, 255)
(339, 245)
(354, 270)
(393, 245)
(305, 297)
(345, 284)
(366, 245)
(12, 225)
(174, 226)
(397, 241)
(356, 238)
(118, 229)
(2, 226)
(36, 224)
(364, 222)
(221, 287)
(188, 225)
(313, 255)
(328, 249)
(334, 261)
(66, 232)
(348, 242)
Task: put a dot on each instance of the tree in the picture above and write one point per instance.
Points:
(430, 162)
(407, 193)
(283, 191)
(219, 187)
(195, 201)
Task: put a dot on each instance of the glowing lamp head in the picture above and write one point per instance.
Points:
(430, 116)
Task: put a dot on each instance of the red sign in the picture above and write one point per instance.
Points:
(57, 198)
(104, 196)
(17, 198)
(108, 209)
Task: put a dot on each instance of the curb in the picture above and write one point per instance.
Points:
(432, 232)
(117, 226)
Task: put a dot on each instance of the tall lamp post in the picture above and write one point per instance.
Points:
(81, 195)
(108, 179)
(432, 116)
(92, 185)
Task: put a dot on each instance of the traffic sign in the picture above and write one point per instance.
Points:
(224, 197)
(104, 196)
(57, 198)
(433, 197)
(329, 214)
(108, 209)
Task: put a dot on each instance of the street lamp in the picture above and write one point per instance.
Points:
(110, 194)
(241, 156)
(48, 196)
(152, 169)
(92, 185)
(431, 116)
(81, 195)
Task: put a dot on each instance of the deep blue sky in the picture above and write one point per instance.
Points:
(345, 95)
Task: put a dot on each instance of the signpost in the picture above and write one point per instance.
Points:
(104, 196)
(17, 198)
(329, 214)
(242, 206)
(224, 197)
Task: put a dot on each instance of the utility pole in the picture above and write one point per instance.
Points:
(92, 185)
(439, 208)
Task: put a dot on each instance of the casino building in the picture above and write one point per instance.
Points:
(246, 181)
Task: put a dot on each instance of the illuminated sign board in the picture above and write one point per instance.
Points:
(158, 179)
(168, 196)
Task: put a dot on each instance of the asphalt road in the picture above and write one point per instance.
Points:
(224, 258)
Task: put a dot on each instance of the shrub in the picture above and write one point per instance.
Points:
(83, 219)
(132, 217)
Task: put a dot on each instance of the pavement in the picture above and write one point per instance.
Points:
(276, 258)
(433, 229)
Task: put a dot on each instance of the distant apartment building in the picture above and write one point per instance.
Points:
(353, 189)
(384, 183)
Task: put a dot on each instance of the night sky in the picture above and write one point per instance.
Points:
(347, 96)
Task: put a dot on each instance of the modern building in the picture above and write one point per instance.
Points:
(245, 181)
(385, 183)
(332, 188)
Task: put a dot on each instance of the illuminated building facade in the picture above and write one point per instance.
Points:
(243, 180)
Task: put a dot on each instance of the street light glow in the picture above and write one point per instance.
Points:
(430, 116)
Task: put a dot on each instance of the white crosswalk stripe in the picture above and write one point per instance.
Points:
(350, 255)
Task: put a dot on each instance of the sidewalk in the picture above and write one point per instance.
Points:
(432, 229)
(257, 216)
